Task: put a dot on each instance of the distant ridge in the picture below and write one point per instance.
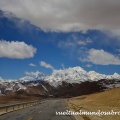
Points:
(62, 83)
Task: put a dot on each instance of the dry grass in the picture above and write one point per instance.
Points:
(104, 101)
(12, 99)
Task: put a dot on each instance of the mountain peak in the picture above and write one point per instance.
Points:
(116, 75)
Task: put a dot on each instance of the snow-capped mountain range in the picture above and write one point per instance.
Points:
(70, 75)
(77, 75)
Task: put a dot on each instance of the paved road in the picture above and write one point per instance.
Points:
(43, 111)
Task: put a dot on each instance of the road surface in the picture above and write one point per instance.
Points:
(44, 111)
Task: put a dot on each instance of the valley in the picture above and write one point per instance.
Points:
(88, 91)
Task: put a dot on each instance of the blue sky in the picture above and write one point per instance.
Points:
(30, 43)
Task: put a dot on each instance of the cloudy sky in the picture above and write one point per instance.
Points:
(43, 35)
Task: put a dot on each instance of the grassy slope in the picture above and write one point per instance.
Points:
(104, 101)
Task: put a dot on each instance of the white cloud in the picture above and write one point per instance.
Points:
(16, 49)
(33, 73)
(32, 65)
(67, 44)
(118, 50)
(67, 15)
(63, 66)
(74, 42)
(85, 42)
(46, 65)
(101, 57)
(88, 65)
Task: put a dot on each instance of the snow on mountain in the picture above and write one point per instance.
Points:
(45, 88)
(116, 76)
(8, 86)
(94, 76)
(1, 79)
(76, 75)
(70, 75)
(40, 76)
(21, 87)
(26, 79)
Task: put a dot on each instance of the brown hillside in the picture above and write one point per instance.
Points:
(104, 101)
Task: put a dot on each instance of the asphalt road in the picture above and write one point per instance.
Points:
(44, 111)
